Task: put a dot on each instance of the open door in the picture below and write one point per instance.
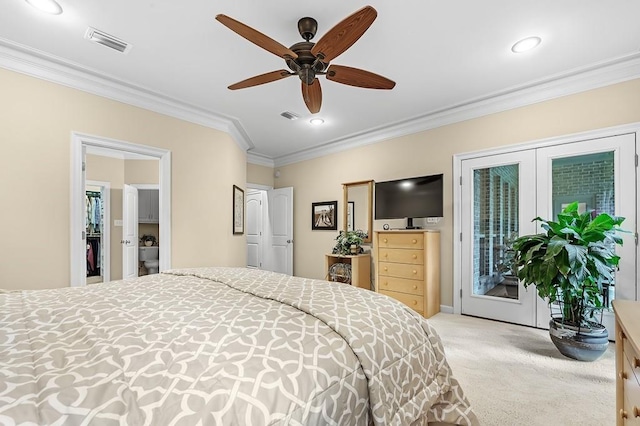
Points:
(129, 232)
(280, 246)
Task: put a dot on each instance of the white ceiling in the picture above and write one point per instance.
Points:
(443, 55)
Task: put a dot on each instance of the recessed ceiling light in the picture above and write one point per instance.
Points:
(47, 6)
(316, 121)
(526, 44)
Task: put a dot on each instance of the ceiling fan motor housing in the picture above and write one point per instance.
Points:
(307, 27)
(305, 65)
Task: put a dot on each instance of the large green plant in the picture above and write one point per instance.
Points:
(571, 261)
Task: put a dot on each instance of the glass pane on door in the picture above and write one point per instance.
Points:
(590, 180)
(495, 225)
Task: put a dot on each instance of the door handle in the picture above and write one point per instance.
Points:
(289, 241)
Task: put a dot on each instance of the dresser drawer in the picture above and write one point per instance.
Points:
(414, 302)
(401, 270)
(401, 285)
(412, 256)
(633, 359)
(401, 240)
(631, 390)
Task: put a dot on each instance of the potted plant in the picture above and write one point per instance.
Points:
(569, 264)
(349, 242)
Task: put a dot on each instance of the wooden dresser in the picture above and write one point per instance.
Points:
(407, 268)
(627, 362)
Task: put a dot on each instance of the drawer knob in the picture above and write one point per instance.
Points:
(386, 269)
(414, 241)
(415, 287)
(622, 375)
(415, 272)
(386, 255)
(623, 414)
(636, 411)
(415, 256)
(415, 302)
(636, 362)
(385, 283)
(385, 240)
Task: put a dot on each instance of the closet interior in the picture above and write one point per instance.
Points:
(94, 234)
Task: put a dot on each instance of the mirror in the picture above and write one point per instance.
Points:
(357, 207)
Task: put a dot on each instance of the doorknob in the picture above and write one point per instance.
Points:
(289, 241)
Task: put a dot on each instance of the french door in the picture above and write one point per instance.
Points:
(502, 193)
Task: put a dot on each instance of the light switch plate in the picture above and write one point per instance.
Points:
(117, 222)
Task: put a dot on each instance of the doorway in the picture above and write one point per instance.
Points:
(501, 193)
(270, 228)
(80, 145)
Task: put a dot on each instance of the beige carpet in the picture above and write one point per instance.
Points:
(514, 375)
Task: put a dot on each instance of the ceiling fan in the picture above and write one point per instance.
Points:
(308, 60)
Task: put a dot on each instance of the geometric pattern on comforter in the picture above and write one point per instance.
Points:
(409, 379)
(202, 346)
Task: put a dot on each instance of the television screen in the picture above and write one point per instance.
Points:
(414, 197)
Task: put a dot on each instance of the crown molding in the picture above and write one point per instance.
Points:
(32, 62)
(22, 59)
(575, 81)
(259, 159)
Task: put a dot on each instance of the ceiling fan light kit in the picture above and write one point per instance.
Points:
(307, 60)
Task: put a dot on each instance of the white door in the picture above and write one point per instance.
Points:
(280, 210)
(497, 205)
(254, 229)
(601, 175)
(129, 232)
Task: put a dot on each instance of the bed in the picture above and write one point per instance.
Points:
(221, 346)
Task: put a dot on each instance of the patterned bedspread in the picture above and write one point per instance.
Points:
(221, 346)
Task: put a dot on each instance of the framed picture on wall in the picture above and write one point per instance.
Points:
(350, 220)
(323, 216)
(238, 210)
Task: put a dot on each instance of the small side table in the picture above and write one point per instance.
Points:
(360, 268)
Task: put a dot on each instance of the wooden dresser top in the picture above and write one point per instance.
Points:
(628, 316)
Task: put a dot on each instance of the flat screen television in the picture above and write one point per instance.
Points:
(410, 198)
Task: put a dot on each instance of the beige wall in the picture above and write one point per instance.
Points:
(431, 152)
(260, 175)
(37, 120)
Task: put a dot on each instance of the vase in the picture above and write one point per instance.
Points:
(579, 344)
(354, 249)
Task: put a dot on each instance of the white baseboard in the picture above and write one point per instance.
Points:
(445, 309)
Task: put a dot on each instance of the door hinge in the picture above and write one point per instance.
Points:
(636, 237)
(460, 180)
(84, 165)
(461, 293)
(636, 160)
(461, 236)
(84, 236)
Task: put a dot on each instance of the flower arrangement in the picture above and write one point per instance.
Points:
(346, 239)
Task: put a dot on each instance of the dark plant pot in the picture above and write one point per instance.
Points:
(583, 345)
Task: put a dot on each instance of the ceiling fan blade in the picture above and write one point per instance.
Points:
(359, 78)
(256, 37)
(312, 95)
(344, 34)
(261, 79)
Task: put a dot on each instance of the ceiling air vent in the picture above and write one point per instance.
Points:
(108, 40)
(290, 115)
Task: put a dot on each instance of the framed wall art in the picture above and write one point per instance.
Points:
(238, 210)
(323, 216)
